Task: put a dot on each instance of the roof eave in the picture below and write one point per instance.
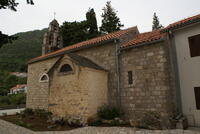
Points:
(180, 25)
(142, 44)
(74, 49)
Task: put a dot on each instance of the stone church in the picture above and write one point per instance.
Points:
(137, 72)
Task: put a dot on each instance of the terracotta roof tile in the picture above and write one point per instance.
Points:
(158, 34)
(18, 86)
(183, 22)
(87, 43)
(144, 37)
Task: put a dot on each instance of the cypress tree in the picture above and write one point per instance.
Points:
(156, 23)
(74, 32)
(92, 23)
(110, 21)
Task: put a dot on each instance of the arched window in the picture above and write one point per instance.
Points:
(44, 78)
(65, 68)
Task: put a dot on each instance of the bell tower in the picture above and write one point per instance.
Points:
(52, 38)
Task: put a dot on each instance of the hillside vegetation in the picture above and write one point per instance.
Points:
(14, 57)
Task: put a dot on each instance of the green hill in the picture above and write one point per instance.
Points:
(14, 57)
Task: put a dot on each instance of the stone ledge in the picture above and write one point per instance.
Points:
(9, 128)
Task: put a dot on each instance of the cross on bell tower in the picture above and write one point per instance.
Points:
(54, 15)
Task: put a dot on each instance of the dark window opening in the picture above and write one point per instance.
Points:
(130, 77)
(44, 77)
(194, 44)
(197, 97)
(65, 68)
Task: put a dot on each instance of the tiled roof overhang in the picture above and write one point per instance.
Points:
(182, 23)
(86, 44)
(144, 39)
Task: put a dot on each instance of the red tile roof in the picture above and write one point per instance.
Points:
(93, 41)
(158, 34)
(184, 22)
(18, 86)
(144, 38)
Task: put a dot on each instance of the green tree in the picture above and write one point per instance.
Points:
(110, 21)
(14, 57)
(74, 32)
(12, 4)
(92, 23)
(8, 81)
(9, 4)
(4, 39)
(156, 23)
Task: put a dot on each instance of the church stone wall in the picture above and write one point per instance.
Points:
(98, 89)
(105, 57)
(79, 93)
(37, 95)
(152, 89)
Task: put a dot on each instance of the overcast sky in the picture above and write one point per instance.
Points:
(131, 13)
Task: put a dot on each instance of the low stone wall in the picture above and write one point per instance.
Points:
(9, 128)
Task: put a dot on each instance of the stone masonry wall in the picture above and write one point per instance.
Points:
(151, 89)
(68, 94)
(105, 57)
(77, 93)
(38, 92)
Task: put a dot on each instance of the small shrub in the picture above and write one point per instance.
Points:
(115, 123)
(28, 111)
(36, 112)
(108, 113)
(21, 123)
(42, 113)
(28, 125)
(61, 122)
(5, 100)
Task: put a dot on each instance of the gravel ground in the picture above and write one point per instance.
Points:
(9, 128)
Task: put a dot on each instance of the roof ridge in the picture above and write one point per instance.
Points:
(103, 35)
(144, 37)
(96, 40)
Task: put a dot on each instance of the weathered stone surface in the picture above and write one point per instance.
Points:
(37, 96)
(151, 89)
(78, 93)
